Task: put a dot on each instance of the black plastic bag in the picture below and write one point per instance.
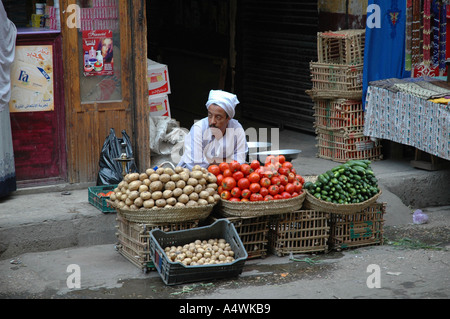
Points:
(111, 170)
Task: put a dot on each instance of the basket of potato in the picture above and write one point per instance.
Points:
(166, 195)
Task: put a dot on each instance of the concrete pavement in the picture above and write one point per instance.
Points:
(43, 229)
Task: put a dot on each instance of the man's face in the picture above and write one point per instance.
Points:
(217, 118)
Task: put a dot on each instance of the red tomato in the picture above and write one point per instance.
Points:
(227, 173)
(281, 188)
(236, 192)
(214, 169)
(268, 197)
(283, 179)
(273, 190)
(255, 197)
(245, 193)
(290, 188)
(234, 199)
(287, 164)
(281, 158)
(220, 189)
(265, 182)
(264, 171)
(286, 195)
(284, 171)
(228, 183)
(275, 180)
(291, 177)
(225, 195)
(295, 194)
(264, 191)
(254, 178)
(297, 185)
(254, 187)
(219, 179)
(277, 196)
(246, 169)
(300, 178)
(269, 159)
(255, 164)
(293, 170)
(238, 175)
(101, 194)
(243, 183)
(235, 166)
(223, 166)
(245, 200)
(109, 193)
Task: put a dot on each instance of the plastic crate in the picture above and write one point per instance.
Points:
(341, 145)
(100, 201)
(174, 273)
(302, 231)
(360, 229)
(341, 47)
(253, 232)
(133, 239)
(339, 114)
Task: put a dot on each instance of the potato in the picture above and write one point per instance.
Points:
(156, 186)
(211, 178)
(211, 200)
(171, 201)
(170, 185)
(134, 185)
(184, 176)
(188, 189)
(167, 193)
(112, 197)
(154, 177)
(145, 195)
(129, 201)
(196, 174)
(202, 201)
(204, 194)
(160, 202)
(178, 169)
(183, 198)
(192, 181)
(123, 197)
(133, 195)
(139, 202)
(157, 195)
(202, 181)
(211, 191)
(164, 178)
(175, 177)
(177, 192)
(191, 203)
(193, 196)
(178, 204)
(160, 170)
(198, 188)
(197, 168)
(216, 197)
(146, 181)
(143, 176)
(180, 184)
(149, 203)
(143, 188)
(169, 171)
(149, 171)
(133, 177)
(120, 185)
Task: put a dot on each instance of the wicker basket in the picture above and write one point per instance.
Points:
(302, 231)
(133, 239)
(314, 203)
(166, 215)
(341, 145)
(253, 232)
(363, 228)
(341, 47)
(339, 114)
(336, 81)
(261, 208)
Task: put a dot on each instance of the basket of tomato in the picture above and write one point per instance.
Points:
(256, 189)
(98, 196)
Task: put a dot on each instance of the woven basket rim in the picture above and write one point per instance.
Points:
(165, 215)
(312, 202)
(262, 208)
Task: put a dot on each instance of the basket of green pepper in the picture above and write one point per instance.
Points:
(345, 189)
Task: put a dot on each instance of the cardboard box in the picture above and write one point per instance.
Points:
(157, 78)
(159, 105)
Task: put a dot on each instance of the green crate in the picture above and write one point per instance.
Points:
(100, 201)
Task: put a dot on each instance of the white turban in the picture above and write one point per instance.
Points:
(225, 100)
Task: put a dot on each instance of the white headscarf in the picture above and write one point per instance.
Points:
(227, 101)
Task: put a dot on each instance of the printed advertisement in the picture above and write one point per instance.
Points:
(98, 52)
(32, 79)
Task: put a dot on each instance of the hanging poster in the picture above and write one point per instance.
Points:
(98, 52)
(32, 79)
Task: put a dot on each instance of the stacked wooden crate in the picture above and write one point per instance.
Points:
(337, 96)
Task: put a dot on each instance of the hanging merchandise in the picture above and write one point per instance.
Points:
(384, 53)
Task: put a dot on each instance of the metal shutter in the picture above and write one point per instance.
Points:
(277, 40)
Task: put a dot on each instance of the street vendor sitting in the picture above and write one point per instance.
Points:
(218, 137)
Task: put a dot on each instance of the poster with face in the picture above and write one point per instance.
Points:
(98, 52)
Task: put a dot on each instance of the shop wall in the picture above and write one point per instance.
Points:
(341, 14)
